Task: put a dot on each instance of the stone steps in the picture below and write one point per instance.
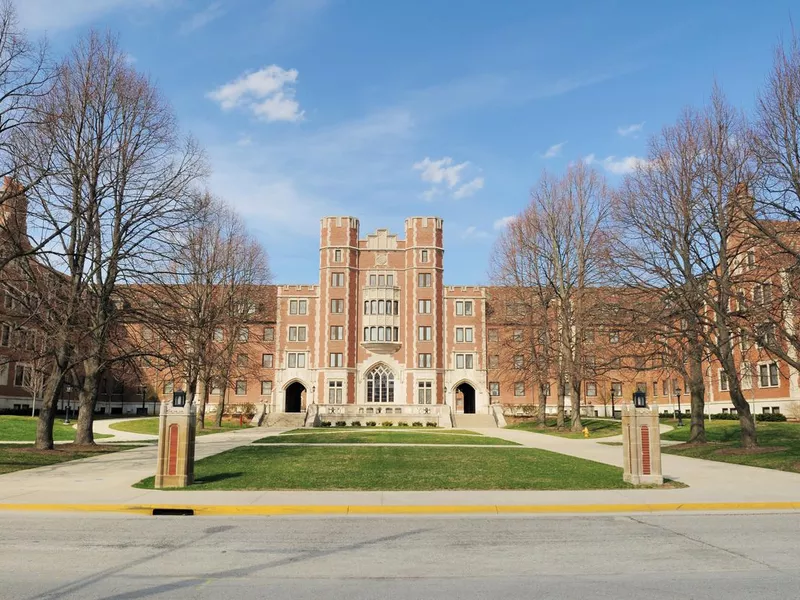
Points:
(288, 420)
(470, 421)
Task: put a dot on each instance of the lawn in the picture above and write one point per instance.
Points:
(382, 429)
(597, 428)
(779, 445)
(149, 425)
(398, 468)
(381, 437)
(15, 457)
(23, 429)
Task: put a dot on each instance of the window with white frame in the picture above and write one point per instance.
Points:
(216, 387)
(519, 388)
(464, 308)
(296, 360)
(424, 360)
(380, 384)
(5, 335)
(337, 279)
(494, 388)
(518, 361)
(747, 376)
(337, 306)
(424, 307)
(337, 255)
(269, 334)
(424, 392)
(241, 387)
(167, 387)
(768, 375)
(266, 388)
(463, 334)
(425, 333)
(424, 280)
(244, 334)
(336, 359)
(423, 256)
(616, 389)
(337, 332)
(335, 392)
(266, 361)
(297, 333)
(591, 388)
(464, 361)
(724, 384)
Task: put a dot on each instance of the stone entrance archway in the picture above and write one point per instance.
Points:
(295, 394)
(466, 394)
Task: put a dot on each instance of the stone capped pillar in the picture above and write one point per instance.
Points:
(176, 433)
(641, 445)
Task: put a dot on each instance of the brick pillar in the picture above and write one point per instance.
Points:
(176, 433)
(641, 445)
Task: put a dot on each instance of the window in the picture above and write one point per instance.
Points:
(517, 335)
(424, 360)
(655, 388)
(588, 335)
(216, 388)
(424, 307)
(768, 375)
(5, 335)
(337, 255)
(494, 361)
(373, 280)
(297, 334)
(337, 306)
(424, 333)
(464, 308)
(382, 280)
(494, 388)
(337, 279)
(380, 384)
(266, 388)
(424, 280)
(292, 307)
(519, 388)
(296, 360)
(665, 388)
(266, 361)
(241, 387)
(337, 332)
(335, 389)
(22, 376)
(765, 336)
(724, 384)
(241, 360)
(591, 388)
(269, 334)
(166, 388)
(518, 362)
(423, 256)
(613, 337)
(616, 389)
(494, 335)
(336, 359)
(244, 334)
(758, 294)
(424, 392)
(298, 307)
(747, 376)
(464, 361)
(463, 334)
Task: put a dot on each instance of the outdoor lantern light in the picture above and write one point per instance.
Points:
(179, 398)
(640, 399)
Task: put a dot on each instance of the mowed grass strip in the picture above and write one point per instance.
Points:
(598, 428)
(371, 468)
(16, 457)
(382, 437)
(426, 430)
(149, 426)
(23, 429)
(778, 445)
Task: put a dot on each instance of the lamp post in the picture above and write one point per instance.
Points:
(680, 415)
(66, 414)
(613, 394)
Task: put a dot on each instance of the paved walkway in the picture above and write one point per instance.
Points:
(108, 479)
(104, 426)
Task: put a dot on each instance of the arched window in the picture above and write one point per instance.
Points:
(380, 384)
(380, 307)
(373, 337)
(388, 335)
(366, 307)
(373, 307)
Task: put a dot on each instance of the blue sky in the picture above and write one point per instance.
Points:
(384, 110)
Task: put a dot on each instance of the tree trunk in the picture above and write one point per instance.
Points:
(220, 407)
(87, 399)
(560, 408)
(575, 404)
(201, 405)
(542, 412)
(47, 410)
(697, 389)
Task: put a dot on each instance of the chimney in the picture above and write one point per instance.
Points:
(13, 212)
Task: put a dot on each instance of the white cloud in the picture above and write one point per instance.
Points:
(469, 188)
(626, 130)
(200, 19)
(554, 150)
(57, 15)
(503, 222)
(473, 232)
(268, 93)
(612, 164)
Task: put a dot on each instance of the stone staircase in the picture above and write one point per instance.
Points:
(472, 421)
(284, 420)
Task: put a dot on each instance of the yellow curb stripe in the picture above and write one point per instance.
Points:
(343, 509)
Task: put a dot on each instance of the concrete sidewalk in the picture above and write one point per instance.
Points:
(104, 483)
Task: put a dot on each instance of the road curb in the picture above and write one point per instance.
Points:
(344, 509)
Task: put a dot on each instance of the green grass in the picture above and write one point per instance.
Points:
(23, 429)
(17, 457)
(381, 437)
(598, 428)
(398, 468)
(779, 445)
(382, 429)
(149, 426)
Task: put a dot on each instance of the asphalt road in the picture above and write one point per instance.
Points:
(87, 557)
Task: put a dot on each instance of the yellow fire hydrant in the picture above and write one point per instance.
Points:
(586, 432)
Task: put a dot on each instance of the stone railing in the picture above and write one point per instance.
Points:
(438, 413)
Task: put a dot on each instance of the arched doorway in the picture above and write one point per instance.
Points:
(294, 397)
(466, 393)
